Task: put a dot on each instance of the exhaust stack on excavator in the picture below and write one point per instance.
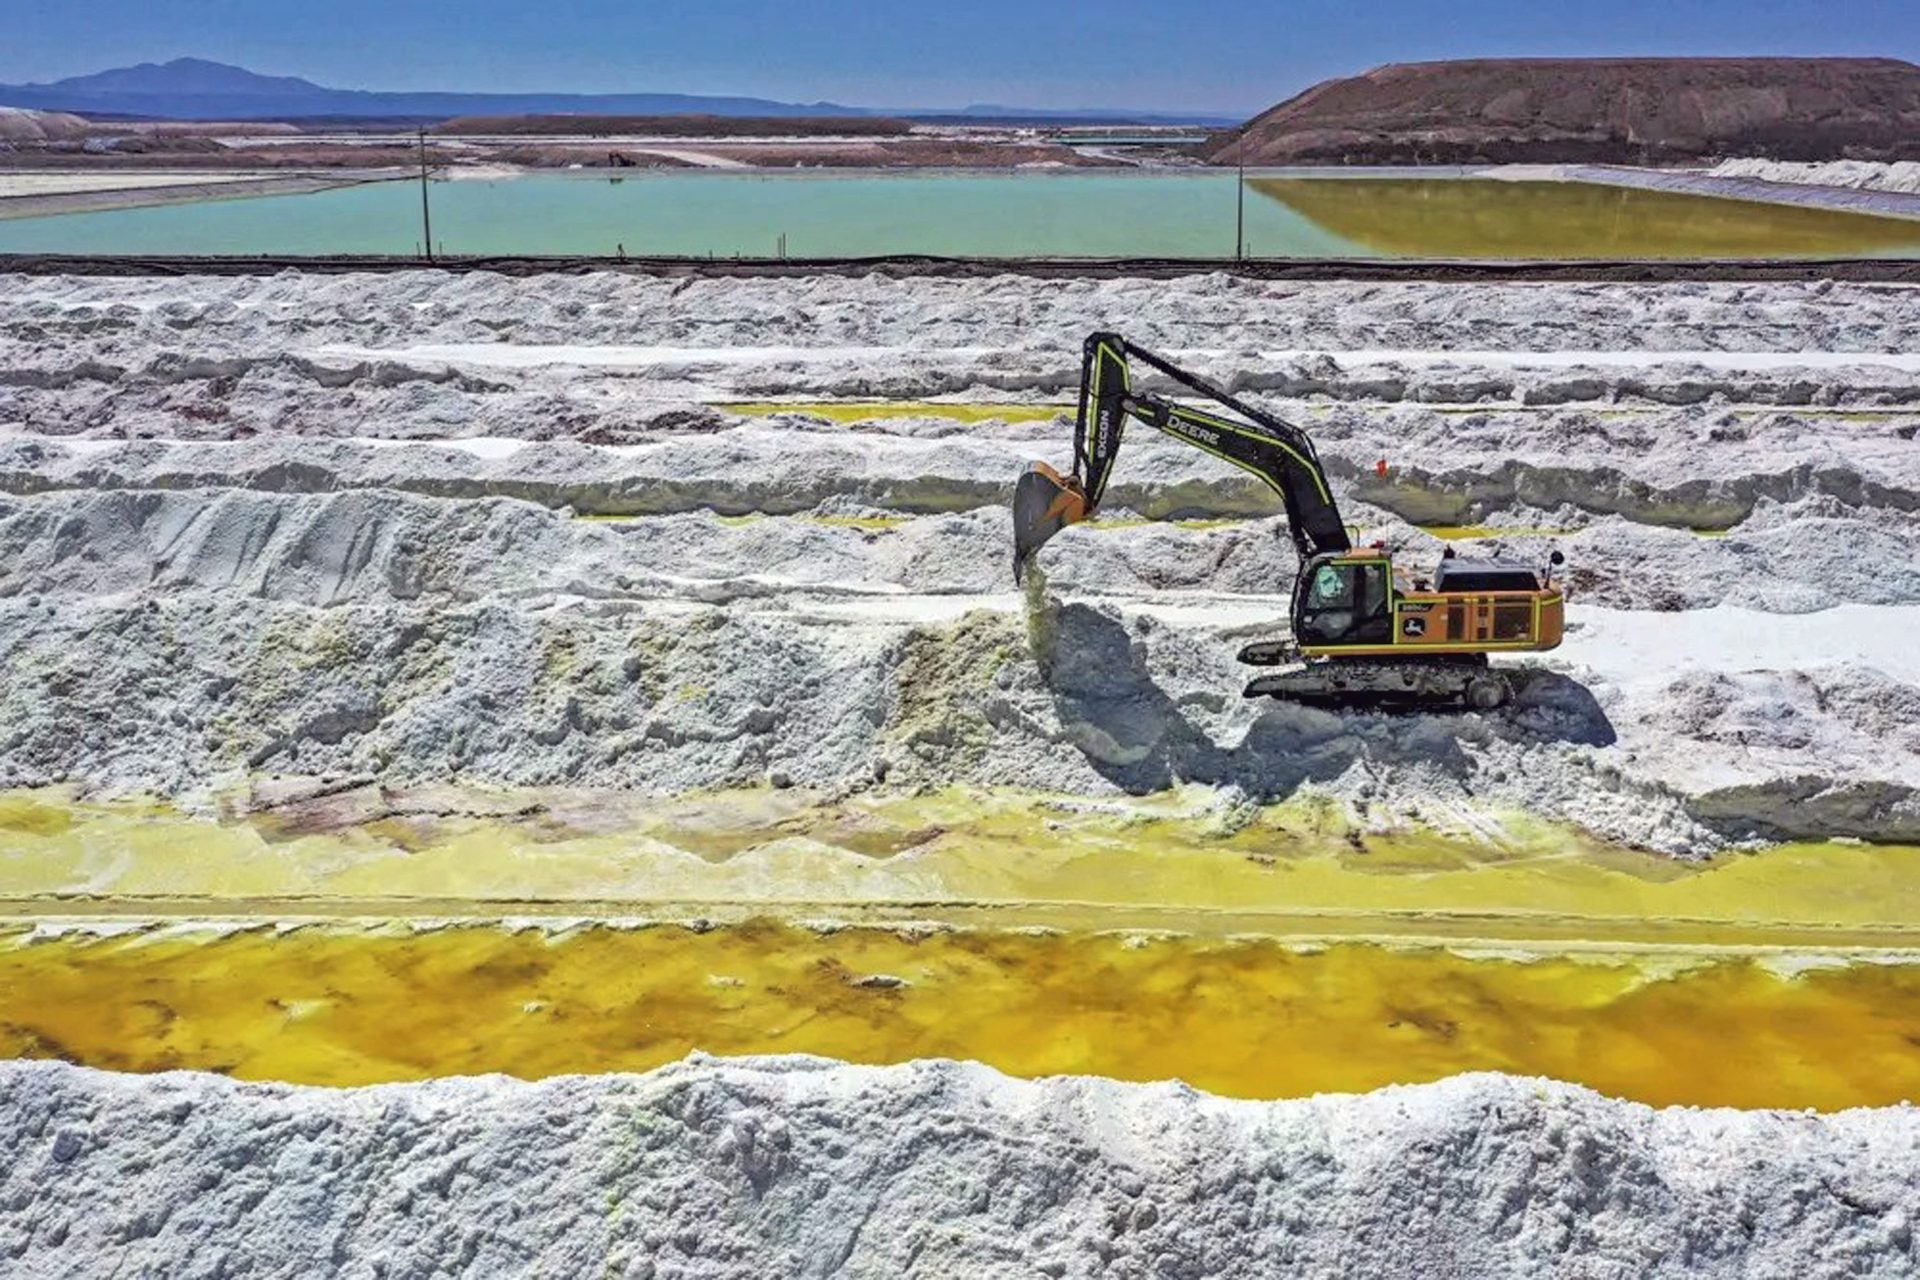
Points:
(1364, 631)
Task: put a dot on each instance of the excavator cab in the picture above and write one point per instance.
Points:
(1342, 599)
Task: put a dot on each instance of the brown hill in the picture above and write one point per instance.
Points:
(1600, 110)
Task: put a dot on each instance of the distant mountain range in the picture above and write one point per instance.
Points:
(196, 89)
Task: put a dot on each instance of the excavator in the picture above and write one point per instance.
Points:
(1366, 633)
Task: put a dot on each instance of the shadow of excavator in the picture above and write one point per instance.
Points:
(1141, 740)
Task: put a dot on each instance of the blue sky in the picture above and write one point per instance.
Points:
(1203, 55)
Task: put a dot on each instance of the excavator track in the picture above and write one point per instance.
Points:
(1387, 682)
(1269, 653)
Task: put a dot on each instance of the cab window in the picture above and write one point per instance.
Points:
(1346, 604)
(1332, 588)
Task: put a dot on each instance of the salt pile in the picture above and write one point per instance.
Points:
(799, 1166)
(1866, 175)
(326, 527)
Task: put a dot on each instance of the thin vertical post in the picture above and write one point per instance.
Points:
(426, 213)
(1240, 204)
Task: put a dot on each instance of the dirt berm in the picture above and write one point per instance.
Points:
(1593, 110)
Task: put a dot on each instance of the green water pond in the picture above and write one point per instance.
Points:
(1098, 214)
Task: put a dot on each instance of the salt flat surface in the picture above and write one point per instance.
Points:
(491, 448)
(798, 1166)
(1625, 645)
(1885, 195)
(699, 159)
(67, 182)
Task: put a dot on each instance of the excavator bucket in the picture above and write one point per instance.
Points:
(1044, 503)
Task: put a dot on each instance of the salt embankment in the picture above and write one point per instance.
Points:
(121, 318)
(1862, 175)
(803, 1167)
(1767, 182)
(175, 642)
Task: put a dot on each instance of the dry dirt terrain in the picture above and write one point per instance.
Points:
(36, 140)
(1594, 110)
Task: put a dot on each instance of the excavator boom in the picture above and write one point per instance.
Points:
(1279, 453)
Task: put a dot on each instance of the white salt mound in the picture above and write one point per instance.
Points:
(18, 124)
(1860, 175)
(796, 1166)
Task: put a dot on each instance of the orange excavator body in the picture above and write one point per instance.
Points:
(1508, 612)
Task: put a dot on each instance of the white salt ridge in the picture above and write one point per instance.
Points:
(797, 1166)
(193, 693)
(371, 545)
(1861, 175)
(1710, 471)
(294, 355)
(116, 318)
(668, 360)
(60, 391)
(178, 641)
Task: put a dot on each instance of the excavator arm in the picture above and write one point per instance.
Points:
(1278, 452)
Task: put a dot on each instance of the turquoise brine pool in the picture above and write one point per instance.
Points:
(1071, 214)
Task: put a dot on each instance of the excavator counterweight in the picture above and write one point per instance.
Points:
(1364, 632)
